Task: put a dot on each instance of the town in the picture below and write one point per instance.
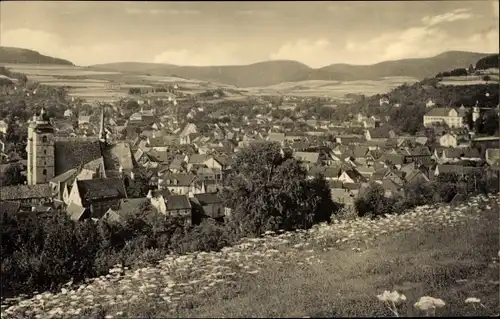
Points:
(152, 156)
(153, 182)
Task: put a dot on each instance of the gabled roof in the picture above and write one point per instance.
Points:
(276, 137)
(208, 199)
(10, 207)
(72, 154)
(182, 179)
(118, 155)
(395, 159)
(177, 202)
(176, 163)
(458, 169)
(360, 151)
(380, 132)
(355, 175)
(100, 188)
(198, 158)
(388, 184)
(128, 206)
(65, 176)
(311, 157)
(418, 151)
(75, 212)
(332, 184)
(157, 156)
(471, 153)
(351, 186)
(20, 192)
(439, 112)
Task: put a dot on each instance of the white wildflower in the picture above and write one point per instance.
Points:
(427, 303)
(394, 296)
(472, 300)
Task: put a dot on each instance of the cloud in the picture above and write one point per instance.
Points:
(455, 15)
(428, 39)
(220, 54)
(81, 54)
(312, 53)
(138, 11)
(254, 13)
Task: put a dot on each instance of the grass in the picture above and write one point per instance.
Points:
(331, 270)
(417, 263)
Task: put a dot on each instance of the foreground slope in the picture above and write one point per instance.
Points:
(444, 252)
(274, 72)
(25, 56)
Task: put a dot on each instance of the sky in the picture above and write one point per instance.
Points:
(229, 33)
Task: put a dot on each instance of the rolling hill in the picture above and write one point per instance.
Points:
(274, 72)
(257, 74)
(25, 56)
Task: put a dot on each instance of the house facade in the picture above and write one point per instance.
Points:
(449, 116)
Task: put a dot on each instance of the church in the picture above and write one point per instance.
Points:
(55, 165)
(49, 156)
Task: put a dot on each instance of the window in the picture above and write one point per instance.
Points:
(44, 139)
(44, 172)
(45, 152)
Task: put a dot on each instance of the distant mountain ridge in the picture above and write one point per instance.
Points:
(270, 72)
(275, 72)
(26, 56)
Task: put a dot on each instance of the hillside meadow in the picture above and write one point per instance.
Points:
(335, 89)
(446, 252)
(92, 85)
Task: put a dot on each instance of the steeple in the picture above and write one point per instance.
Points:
(102, 133)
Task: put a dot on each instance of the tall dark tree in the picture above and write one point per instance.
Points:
(478, 125)
(373, 202)
(270, 191)
(491, 123)
(137, 187)
(467, 120)
(11, 176)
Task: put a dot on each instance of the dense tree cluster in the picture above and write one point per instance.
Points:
(44, 251)
(491, 61)
(269, 190)
(455, 72)
(374, 203)
(211, 93)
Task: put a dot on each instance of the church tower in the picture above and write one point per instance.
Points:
(102, 132)
(40, 149)
(475, 113)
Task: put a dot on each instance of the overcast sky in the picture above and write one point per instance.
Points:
(222, 33)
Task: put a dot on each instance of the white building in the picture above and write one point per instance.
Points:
(449, 116)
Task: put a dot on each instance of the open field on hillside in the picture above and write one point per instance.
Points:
(471, 79)
(447, 252)
(336, 89)
(469, 82)
(85, 83)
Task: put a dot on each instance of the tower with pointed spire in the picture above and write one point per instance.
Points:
(476, 113)
(40, 149)
(102, 132)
